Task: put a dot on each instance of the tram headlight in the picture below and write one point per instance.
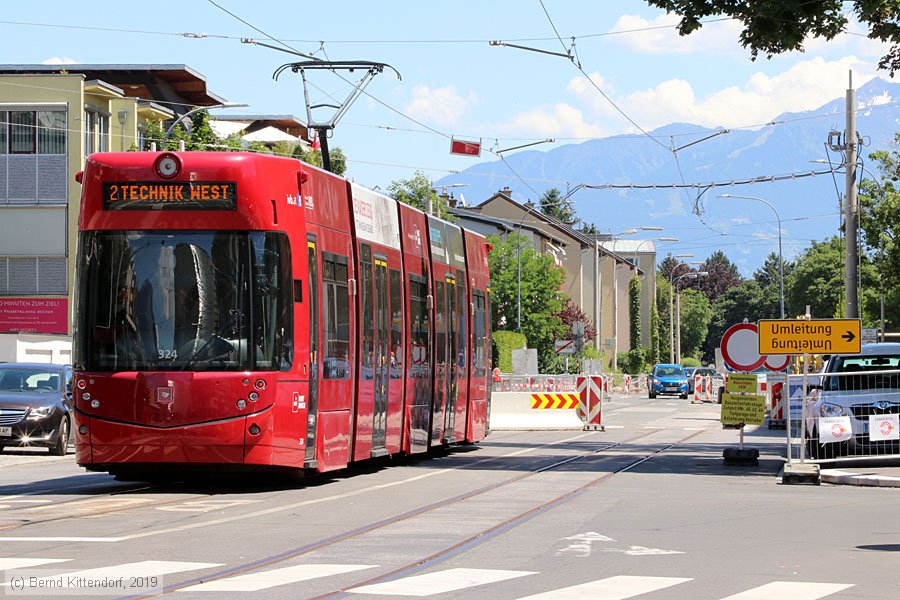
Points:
(168, 165)
(253, 396)
(242, 404)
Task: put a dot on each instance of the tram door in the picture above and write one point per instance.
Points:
(382, 356)
(450, 354)
(312, 401)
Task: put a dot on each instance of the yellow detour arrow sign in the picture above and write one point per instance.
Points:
(818, 336)
(749, 409)
(553, 400)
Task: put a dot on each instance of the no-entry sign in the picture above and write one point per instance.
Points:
(740, 350)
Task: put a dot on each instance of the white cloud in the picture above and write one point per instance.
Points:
(442, 105)
(56, 60)
(660, 36)
(558, 120)
(805, 86)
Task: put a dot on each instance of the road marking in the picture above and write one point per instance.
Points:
(645, 409)
(62, 539)
(795, 590)
(145, 568)
(24, 563)
(205, 506)
(288, 507)
(619, 587)
(582, 543)
(440, 582)
(267, 579)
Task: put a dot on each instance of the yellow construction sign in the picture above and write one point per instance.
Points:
(741, 383)
(817, 336)
(749, 409)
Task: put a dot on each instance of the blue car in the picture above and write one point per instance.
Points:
(668, 380)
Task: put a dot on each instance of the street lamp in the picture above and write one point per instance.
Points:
(780, 255)
(197, 109)
(672, 307)
(692, 275)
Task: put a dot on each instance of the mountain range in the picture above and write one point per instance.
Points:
(746, 230)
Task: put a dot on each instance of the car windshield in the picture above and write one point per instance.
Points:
(864, 373)
(17, 379)
(669, 372)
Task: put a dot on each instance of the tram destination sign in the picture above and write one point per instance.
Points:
(818, 336)
(169, 195)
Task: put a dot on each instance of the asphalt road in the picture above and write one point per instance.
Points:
(644, 510)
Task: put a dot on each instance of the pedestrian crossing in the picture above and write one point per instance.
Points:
(476, 581)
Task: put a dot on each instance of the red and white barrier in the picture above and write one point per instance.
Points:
(702, 388)
(590, 392)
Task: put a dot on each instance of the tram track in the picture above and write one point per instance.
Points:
(459, 546)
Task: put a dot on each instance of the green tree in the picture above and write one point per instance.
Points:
(775, 27)
(663, 321)
(880, 223)
(416, 191)
(552, 206)
(634, 311)
(723, 274)
(747, 300)
(655, 346)
(818, 280)
(314, 157)
(541, 296)
(696, 315)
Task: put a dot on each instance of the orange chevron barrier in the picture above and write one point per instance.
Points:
(554, 400)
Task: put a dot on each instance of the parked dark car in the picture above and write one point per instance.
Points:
(36, 406)
(691, 372)
(668, 379)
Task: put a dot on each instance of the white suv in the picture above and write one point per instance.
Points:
(862, 385)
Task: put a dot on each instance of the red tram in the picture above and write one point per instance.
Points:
(243, 310)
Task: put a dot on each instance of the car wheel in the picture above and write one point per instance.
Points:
(651, 395)
(684, 396)
(2, 448)
(62, 440)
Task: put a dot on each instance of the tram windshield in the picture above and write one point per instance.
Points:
(186, 300)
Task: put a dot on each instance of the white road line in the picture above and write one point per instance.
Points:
(24, 563)
(62, 539)
(267, 579)
(619, 587)
(145, 568)
(439, 582)
(795, 590)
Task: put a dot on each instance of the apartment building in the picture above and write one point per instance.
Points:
(51, 118)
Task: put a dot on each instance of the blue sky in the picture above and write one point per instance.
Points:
(453, 82)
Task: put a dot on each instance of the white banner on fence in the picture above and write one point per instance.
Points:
(884, 427)
(834, 429)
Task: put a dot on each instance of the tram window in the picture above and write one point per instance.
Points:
(272, 300)
(396, 326)
(419, 360)
(441, 324)
(479, 322)
(336, 317)
(368, 314)
(462, 332)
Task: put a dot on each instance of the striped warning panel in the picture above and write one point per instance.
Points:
(554, 400)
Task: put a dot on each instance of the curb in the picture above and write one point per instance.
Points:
(837, 477)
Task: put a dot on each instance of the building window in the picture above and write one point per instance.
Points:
(90, 132)
(32, 132)
(103, 130)
(51, 132)
(21, 132)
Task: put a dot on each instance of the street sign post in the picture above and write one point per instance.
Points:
(816, 336)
